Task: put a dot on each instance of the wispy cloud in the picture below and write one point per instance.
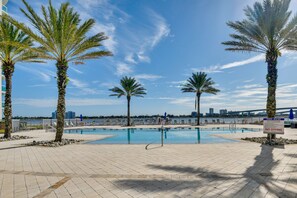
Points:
(147, 77)
(249, 80)
(109, 29)
(248, 96)
(76, 70)
(137, 42)
(44, 75)
(184, 101)
(108, 84)
(162, 29)
(43, 103)
(254, 59)
(123, 69)
(291, 58)
(83, 88)
(220, 68)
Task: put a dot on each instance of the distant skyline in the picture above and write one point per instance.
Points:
(160, 43)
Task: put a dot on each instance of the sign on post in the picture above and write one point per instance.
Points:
(274, 125)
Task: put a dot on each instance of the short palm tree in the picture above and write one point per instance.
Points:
(199, 83)
(129, 87)
(62, 38)
(268, 28)
(9, 56)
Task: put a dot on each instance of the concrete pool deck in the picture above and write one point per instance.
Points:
(240, 169)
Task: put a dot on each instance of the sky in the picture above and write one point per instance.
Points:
(160, 43)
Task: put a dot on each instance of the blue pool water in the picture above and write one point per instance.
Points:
(154, 136)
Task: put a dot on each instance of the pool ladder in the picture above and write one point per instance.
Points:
(232, 127)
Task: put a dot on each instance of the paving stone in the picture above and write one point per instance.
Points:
(239, 169)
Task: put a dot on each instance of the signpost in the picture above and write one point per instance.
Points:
(273, 126)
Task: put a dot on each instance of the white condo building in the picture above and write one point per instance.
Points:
(3, 9)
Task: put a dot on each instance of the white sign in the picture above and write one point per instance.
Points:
(274, 126)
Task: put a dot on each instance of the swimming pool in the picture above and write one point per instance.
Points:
(154, 136)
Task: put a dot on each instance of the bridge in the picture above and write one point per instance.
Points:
(282, 109)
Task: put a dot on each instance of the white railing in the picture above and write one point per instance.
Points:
(51, 124)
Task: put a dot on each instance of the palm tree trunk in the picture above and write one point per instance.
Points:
(62, 83)
(198, 109)
(128, 111)
(271, 59)
(8, 71)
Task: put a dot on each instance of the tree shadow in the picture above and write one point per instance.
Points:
(260, 174)
(198, 172)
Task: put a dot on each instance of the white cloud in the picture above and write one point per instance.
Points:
(108, 84)
(109, 30)
(246, 97)
(143, 58)
(45, 75)
(220, 68)
(211, 69)
(45, 102)
(291, 58)
(249, 80)
(162, 29)
(137, 42)
(83, 87)
(76, 70)
(184, 101)
(130, 58)
(254, 59)
(159, 30)
(178, 82)
(123, 69)
(249, 86)
(147, 77)
(89, 4)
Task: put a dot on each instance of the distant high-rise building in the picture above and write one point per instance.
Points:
(194, 114)
(54, 115)
(211, 111)
(68, 115)
(223, 111)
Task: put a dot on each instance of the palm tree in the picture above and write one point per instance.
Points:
(9, 56)
(267, 29)
(129, 87)
(62, 38)
(199, 83)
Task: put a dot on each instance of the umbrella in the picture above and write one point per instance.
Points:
(291, 116)
(81, 117)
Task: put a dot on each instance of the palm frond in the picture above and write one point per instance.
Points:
(61, 34)
(15, 45)
(199, 83)
(129, 87)
(268, 26)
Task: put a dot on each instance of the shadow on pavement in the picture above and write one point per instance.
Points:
(258, 180)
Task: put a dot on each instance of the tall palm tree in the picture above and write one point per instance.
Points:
(269, 29)
(62, 38)
(199, 83)
(129, 87)
(9, 56)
